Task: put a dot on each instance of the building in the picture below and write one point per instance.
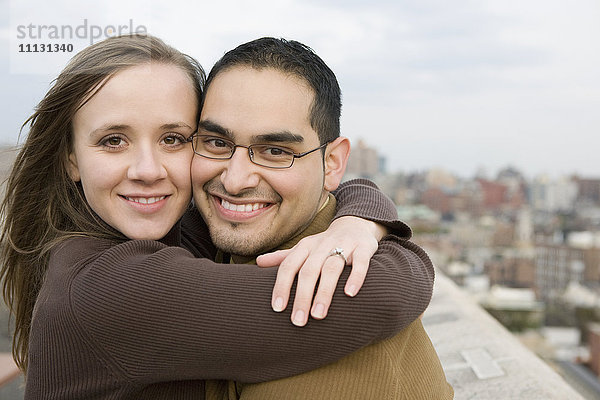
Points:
(364, 161)
(556, 265)
(594, 344)
(512, 271)
(507, 195)
(553, 195)
(588, 190)
(516, 309)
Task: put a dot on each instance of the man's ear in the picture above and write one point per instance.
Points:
(72, 168)
(336, 159)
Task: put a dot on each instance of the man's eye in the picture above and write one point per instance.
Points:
(275, 151)
(270, 151)
(220, 143)
(216, 146)
(216, 143)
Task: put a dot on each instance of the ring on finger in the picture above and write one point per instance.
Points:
(338, 251)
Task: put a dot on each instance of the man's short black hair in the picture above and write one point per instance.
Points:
(292, 57)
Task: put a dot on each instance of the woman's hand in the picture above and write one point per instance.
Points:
(311, 259)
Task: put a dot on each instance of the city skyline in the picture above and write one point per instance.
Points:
(374, 161)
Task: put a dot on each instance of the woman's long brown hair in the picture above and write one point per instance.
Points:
(42, 205)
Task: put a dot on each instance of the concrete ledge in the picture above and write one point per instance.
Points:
(482, 360)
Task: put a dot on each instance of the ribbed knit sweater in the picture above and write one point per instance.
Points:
(148, 320)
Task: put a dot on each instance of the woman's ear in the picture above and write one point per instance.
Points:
(336, 159)
(72, 168)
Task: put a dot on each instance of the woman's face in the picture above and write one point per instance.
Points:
(130, 152)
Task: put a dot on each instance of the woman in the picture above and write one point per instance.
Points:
(101, 316)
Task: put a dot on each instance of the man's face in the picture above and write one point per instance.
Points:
(250, 209)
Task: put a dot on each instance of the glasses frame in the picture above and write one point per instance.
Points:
(250, 152)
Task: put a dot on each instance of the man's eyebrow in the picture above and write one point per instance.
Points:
(278, 137)
(271, 137)
(213, 127)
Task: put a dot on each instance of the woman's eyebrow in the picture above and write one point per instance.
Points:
(110, 127)
(125, 127)
(174, 125)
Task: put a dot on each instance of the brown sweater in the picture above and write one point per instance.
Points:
(148, 320)
(405, 366)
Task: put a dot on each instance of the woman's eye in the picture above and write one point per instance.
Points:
(113, 141)
(171, 140)
(174, 140)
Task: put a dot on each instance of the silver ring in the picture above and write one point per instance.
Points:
(338, 251)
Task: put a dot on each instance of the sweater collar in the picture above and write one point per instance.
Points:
(173, 237)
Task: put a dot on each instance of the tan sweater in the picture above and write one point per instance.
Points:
(405, 366)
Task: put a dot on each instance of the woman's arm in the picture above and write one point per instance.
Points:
(362, 198)
(160, 312)
(364, 215)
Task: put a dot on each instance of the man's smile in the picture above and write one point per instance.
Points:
(242, 206)
(240, 211)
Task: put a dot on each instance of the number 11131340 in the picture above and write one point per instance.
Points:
(45, 48)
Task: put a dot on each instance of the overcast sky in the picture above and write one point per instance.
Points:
(453, 84)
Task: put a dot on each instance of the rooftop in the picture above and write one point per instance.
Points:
(483, 360)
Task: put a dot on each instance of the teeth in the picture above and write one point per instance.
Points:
(145, 200)
(242, 207)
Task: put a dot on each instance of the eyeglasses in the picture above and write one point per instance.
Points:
(265, 155)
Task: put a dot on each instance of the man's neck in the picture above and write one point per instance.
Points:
(319, 223)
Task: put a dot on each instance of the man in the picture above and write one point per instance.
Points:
(271, 152)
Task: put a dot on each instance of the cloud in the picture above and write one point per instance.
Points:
(454, 84)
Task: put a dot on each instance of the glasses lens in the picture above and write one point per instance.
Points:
(212, 146)
(271, 156)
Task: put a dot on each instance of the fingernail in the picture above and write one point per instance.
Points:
(298, 318)
(319, 311)
(351, 291)
(278, 305)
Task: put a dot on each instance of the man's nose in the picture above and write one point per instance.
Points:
(240, 173)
